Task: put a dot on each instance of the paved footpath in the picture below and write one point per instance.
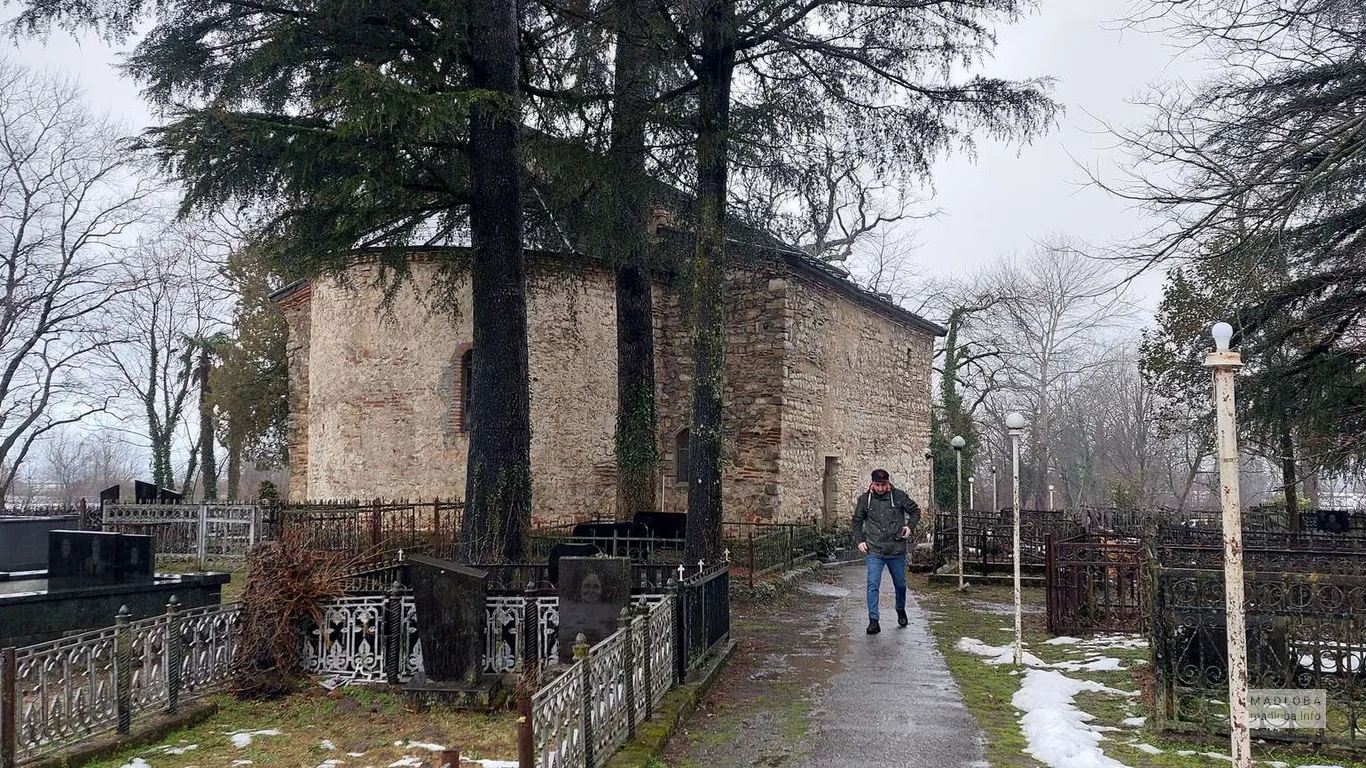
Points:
(807, 687)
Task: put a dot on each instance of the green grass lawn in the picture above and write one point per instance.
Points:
(988, 689)
(348, 728)
(236, 567)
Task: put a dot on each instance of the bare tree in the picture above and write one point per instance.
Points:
(179, 304)
(1061, 304)
(68, 192)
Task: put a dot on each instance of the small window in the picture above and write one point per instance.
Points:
(465, 366)
(682, 454)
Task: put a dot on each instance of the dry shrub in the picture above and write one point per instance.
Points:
(286, 585)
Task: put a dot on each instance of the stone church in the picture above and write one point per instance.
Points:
(824, 382)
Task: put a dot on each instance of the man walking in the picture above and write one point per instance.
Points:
(884, 518)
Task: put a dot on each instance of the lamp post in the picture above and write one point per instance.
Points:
(972, 486)
(1050, 498)
(958, 442)
(995, 493)
(1015, 424)
(1224, 363)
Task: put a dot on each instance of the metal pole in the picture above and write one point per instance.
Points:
(1050, 498)
(958, 457)
(972, 486)
(995, 493)
(1015, 494)
(202, 550)
(1225, 363)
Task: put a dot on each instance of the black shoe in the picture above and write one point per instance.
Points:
(901, 619)
(874, 627)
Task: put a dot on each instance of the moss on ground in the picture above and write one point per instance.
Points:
(987, 690)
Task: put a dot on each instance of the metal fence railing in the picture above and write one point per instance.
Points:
(190, 530)
(1096, 583)
(65, 691)
(594, 707)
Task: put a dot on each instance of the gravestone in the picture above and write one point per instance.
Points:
(449, 599)
(82, 558)
(593, 590)
(567, 550)
(136, 557)
(664, 525)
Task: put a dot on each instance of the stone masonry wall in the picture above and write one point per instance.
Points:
(298, 308)
(752, 399)
(856, 391)
(384, 412)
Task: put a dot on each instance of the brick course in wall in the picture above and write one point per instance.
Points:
(812, 371)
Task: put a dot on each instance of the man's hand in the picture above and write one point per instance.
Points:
(863, 547)
(906, 532)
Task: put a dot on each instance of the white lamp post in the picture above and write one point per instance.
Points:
(1224, 363)
(1050, 498)
(972, 486)
(995, 493)
(958, 442)
(1015, 424)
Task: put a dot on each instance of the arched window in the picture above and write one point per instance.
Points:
(465, 365)
(682, 453)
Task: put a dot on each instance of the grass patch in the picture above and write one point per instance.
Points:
(363, 721)
(987, 690)
(237, 567)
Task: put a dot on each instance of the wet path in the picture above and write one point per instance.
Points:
(807, 687)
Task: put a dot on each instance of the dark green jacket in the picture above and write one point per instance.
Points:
(878, 520)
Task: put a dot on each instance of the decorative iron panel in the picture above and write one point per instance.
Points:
(640, 644)
(1096, 583)
(147, 654)
(557, 730)
(350, 640)
(65, 691)
(1304, 630)
(208, 641)
(663, 644)
(607, 672)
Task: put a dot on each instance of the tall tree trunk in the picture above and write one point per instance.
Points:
(637, 458)
(1288, 477)
(208, 463)
(498, 472)
(234, 464)
(187, 487)
(708, 282)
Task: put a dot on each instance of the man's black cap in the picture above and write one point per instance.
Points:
(881, 476)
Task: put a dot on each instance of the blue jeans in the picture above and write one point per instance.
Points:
(895, 564)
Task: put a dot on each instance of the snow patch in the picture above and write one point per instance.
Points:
(1057, 732)
(1064, 640)
(181, 750)
(1134, 722)
(407, 761)
(1147, 748)
(1098, 664)
(137, 762)
(242, 739)
(241, 762)
(355, 754)
(996, 655)
(419, 745)
(822, 589)
(328, 745)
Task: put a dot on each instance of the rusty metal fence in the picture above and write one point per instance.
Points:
(1096, 583)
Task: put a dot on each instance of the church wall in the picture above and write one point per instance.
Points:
(856, 390)
(752, 399)
(384, 411)
(298, 311)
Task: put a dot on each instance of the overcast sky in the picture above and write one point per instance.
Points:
(999, 203)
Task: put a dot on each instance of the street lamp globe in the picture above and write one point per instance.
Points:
(1015, 420)
(1223, 333)
(958, 442)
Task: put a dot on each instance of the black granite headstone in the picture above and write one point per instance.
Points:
(593, 590)
(136, 557)
(81, 558)
(449, 600)
(664, 525)
(567, 550)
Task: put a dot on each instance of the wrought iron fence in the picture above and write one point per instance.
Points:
(66, 690)
(989, 539)
(189, 530)
(1096, 583)
(371, 527)
(373, 638)
(703, 616)
(580, 718)
(1303, 631)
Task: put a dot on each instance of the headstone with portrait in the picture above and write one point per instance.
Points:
(593, 591)
(81, 558)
